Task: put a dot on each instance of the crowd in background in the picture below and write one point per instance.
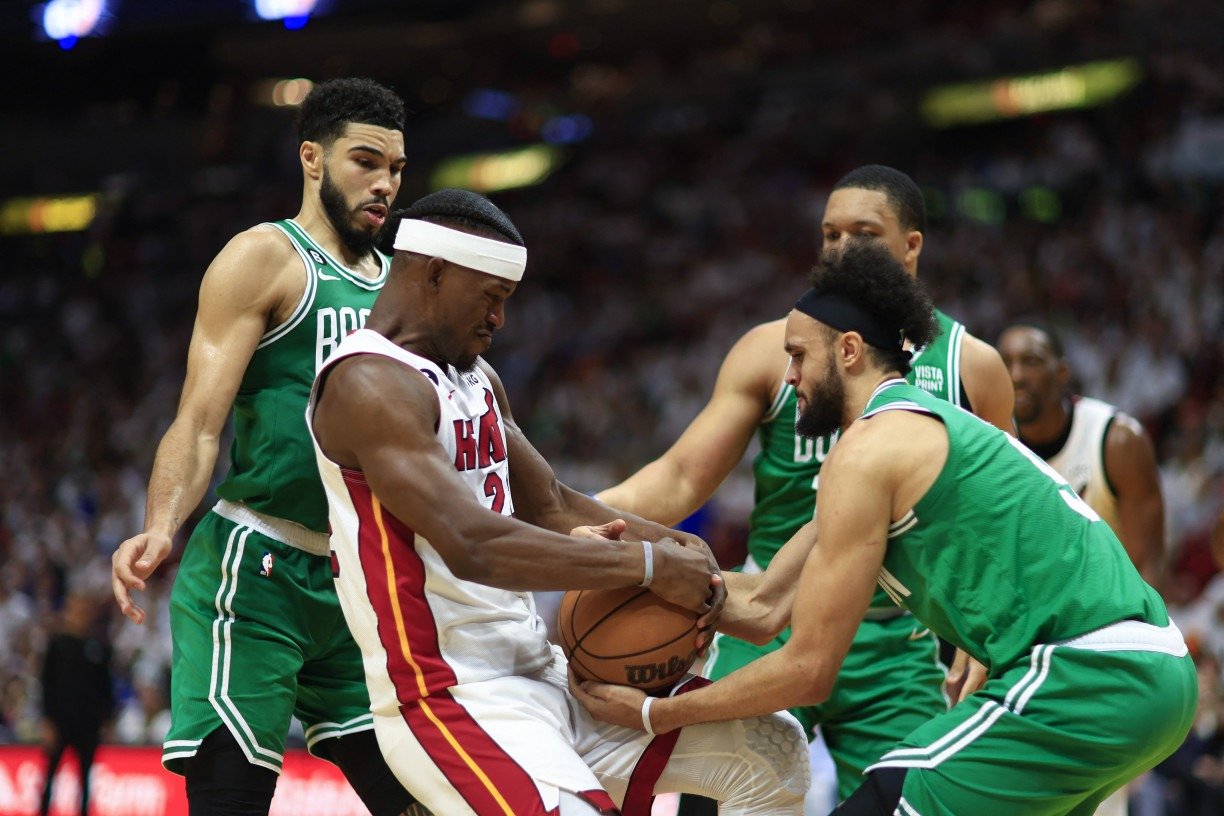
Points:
(691, 215)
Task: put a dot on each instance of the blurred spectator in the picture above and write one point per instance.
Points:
(77, 695)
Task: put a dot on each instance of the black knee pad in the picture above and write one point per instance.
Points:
(879, 794)
(367, 771)
(221, 782)
(693, 805)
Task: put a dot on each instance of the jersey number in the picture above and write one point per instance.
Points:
(495, 490)
(1064, 487)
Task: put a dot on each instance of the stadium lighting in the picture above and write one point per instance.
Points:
(66, 21)
(488, 172)
(25, 216)
(293, 14)
(1076, 86)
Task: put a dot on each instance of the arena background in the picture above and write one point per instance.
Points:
(667, 163)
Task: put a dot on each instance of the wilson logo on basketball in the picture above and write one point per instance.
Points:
(647, 673)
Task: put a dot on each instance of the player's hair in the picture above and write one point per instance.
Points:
(866, 274)
(904, 196)
(1052, 335)
(333, 104)
(453, 207)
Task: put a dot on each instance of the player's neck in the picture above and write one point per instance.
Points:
(320, 228)
(1053, 424)
(859, 390)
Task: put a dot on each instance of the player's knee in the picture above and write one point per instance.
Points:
(778, 769)
(366, 770)
(222, 782)
(879, 795)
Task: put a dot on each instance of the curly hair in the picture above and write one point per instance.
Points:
(453, 207)
(333, 104)
(902, 193)
(867, 275)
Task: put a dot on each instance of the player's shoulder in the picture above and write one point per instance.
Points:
(259, 264)
(761, 347)
(888, 439)
(1125, 430)
(756, 362)
(377, 380)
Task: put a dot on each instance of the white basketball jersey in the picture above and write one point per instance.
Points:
(1082, 459)
(419, 627)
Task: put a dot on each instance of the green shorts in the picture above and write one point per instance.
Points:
(258, 638)
(890, 683)
(1054, 734)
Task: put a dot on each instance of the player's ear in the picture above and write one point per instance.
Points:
(850, 348)
(312, 154)
(913, 248)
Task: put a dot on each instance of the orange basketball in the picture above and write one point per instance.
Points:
(627, 636)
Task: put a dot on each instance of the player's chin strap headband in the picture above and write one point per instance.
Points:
(482, 254)
(845, 315)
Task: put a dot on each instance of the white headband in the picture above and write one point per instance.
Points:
(482, 254)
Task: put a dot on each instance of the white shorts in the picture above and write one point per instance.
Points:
(508, 746)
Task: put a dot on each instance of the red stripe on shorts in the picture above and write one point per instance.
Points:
(487, 777)
(421, 663)
(639, 794)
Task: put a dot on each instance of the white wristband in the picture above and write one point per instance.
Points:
(648, 554)
(646, 704)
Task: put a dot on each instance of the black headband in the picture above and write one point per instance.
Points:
(845, 315)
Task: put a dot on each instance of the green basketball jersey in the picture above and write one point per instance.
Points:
(272, 461)
(787, 469)
(1000, 554)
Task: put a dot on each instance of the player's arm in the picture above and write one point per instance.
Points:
(1130, 466)
(987, 383)
(835, 588)
(246, 284)
(543, 500)
(759, 605)
(379, 416)
(671, 487)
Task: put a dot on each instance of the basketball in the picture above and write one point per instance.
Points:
(628, 636)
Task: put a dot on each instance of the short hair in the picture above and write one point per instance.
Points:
(867, 274)
(453, 207)
(1038, 324)
(904, 196)
(336, 103)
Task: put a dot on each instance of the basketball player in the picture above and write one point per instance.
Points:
(445, 518)
(891, 680)
(1089, 682)
(258, 632)
(1105, 455)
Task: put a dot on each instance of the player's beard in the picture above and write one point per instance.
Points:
(826, 404)
(358, 241)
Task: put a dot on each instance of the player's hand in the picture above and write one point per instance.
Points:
(134, 562)
(611, 530)
(683, 576)
(965, 677)
(707, 624)
(619, 705)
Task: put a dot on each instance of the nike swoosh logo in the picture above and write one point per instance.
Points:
(324, 276)
(918, 634)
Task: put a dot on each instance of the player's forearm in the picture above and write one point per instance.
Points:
(571, 509)
(509, 554)
(181, 472)
(660, 492)
(747, 615)
(775, 682)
